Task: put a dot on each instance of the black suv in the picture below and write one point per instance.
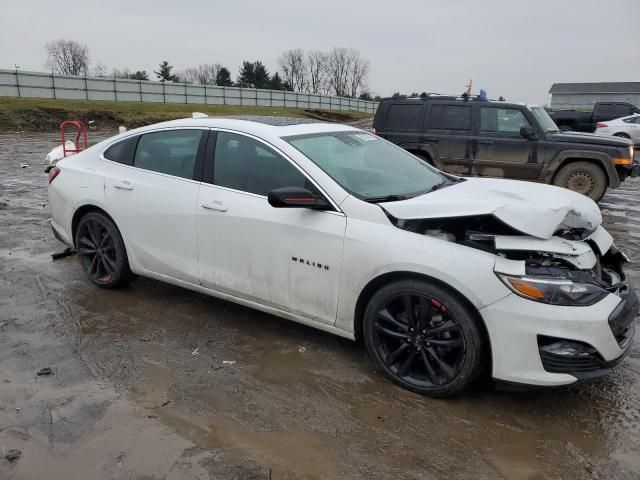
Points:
(470, 136)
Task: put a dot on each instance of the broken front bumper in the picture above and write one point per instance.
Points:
(517, 325)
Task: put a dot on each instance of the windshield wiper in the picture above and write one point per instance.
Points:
(386, 198)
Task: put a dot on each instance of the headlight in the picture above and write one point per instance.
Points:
(554, 291)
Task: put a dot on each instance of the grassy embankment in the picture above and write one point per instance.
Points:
(41, 114)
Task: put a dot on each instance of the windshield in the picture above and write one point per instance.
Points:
(367, 166)
(545, 121)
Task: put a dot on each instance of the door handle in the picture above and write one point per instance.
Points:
(216, 205)
(123, 185)
(486, 142)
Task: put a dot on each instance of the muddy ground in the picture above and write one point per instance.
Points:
(142, 388)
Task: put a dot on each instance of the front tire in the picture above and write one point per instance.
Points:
(583, 177)
(423, 338)
(102, 251)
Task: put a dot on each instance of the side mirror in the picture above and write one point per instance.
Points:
(528, 132)
(296, 197)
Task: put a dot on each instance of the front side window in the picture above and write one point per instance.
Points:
(367, 166)
(449, 117)
(170, 151)
(622, 110)
(502, 120)
(245, 164)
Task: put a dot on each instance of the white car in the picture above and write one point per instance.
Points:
(626, 127)
(335, 228)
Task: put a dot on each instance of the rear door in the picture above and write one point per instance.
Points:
(153, 200)
(447, 130)
(500, 149)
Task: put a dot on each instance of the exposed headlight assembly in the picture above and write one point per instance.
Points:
(554, 291)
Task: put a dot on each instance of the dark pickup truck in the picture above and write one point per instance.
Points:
(471, 136)
(586, 121)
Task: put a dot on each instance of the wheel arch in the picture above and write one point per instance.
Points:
(600, 159)
(384, 279)
(81, 212)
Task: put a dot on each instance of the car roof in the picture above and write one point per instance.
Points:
(255, 125)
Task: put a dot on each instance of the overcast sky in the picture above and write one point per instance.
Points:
(514, 48)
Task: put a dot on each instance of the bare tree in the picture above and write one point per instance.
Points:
(67, 57)
(100, 70)
(201, 75)
(358, 74)
(317, 70)
(338, 68)
(346, 72)
(294, 70)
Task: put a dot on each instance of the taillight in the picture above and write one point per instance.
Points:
(53, 173)
(601, 125)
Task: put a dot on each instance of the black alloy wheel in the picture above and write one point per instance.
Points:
(423, 338)
(101, 251)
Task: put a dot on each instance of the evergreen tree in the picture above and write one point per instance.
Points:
(164, 73)
(223, 77)
(276, 82)
(253, 75)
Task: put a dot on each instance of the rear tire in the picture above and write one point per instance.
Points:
(585, 178)
(102, 251)
(423, 338)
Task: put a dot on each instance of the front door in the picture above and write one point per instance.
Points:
(286, 258)
(500, 150)
(154, 202)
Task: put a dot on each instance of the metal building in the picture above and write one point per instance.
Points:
(582, 96)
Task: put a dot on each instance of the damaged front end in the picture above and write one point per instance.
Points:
(574, 267)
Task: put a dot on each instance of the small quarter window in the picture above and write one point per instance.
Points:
(122, 152)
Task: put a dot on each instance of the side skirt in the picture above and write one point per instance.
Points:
(251, 304)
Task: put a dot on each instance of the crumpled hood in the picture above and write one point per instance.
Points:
(531, 208)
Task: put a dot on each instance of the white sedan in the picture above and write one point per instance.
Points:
(625, 127)
(335, 228)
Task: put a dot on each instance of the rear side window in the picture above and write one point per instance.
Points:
(403, 117)
(171, 151)
(449, 117)
(502, 120)
(122, 152)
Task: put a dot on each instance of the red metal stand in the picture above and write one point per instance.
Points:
(81, 137)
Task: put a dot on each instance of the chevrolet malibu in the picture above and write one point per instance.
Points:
(442, 277)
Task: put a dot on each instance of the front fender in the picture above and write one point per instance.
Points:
(561, 159)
